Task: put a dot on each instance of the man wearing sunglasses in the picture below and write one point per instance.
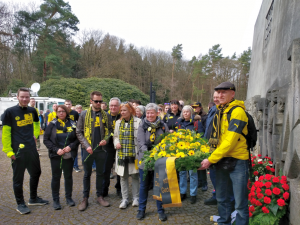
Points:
(93, 131)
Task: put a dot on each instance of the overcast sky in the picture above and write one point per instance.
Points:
(162, 24)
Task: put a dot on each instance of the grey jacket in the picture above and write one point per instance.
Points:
(80, 128)
(143, 138)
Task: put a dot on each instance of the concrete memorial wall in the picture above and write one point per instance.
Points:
(273, 97)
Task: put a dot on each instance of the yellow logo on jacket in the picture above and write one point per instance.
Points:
(97, 122)
(72, 117)
(27, 120)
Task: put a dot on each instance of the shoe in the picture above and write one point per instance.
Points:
(111, 176)
(204, 188)
(94, 169)
(119, 193)
(77, 169)
(83, 205)
(135, 202)
(193, 199)
(23, 209)
(124, 204)
(211, 201)
(162, 216)
(38, 201)
(56, 205)
(102, 201)
(70, 202)
(183, 196)
(140, 215)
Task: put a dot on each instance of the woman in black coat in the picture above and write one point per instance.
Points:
(62, 143)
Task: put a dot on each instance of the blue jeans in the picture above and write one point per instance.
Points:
(233, 182)
(193, 182)
(144, 185)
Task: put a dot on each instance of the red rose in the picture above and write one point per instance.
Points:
(252, 188)
(252, 160)
(268, 167)
(260, 162)
(280, 202)
(272, 170)
(276, 191)
(253, 165)
(258, 184)
(259, 155)
(261, 178)
(270, 162)
(253, 201)
(251, 208)
(283, 178)
(255, 173)
(260, 195)
(265, 209)
(268, 192)
(286, 195)
(267, 200)
(258, 203)
(250, 214)
(268, 184)
(286, 187)
(268, 177)
(258, 190)
(275, 180)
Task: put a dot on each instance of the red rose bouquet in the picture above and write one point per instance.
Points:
(268, 200)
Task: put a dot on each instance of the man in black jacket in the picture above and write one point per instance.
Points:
(93, 132)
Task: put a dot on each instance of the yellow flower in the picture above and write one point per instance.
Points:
(198, 135)
(204, 149)
(180, 155)
(172, 148)
(174, 139)
(21, 145)
(168, 155)
(140, 162)
(172, 154)
(191, 152)
(163, 141)
(162, 153)
(193, 145)
(181, 145)
(152, 154)
(191, 138)
(197, 143)
(69, 129)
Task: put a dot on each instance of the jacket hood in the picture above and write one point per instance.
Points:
(235, 103)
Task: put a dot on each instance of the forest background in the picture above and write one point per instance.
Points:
(37, 44)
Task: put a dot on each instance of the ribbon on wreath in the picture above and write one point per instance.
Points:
(166, 188)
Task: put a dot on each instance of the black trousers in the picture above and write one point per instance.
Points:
(67, 167)
(26, 160)
(100, 159)
(202, 178)
(111, 155)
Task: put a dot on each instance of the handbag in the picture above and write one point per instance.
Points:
(226, 163)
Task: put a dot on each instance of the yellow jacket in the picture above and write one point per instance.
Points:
(51, 116)
(232, 143)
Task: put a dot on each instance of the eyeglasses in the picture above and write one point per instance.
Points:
(96, 101)
(61, 111)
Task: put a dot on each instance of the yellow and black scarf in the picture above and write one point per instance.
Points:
(215, 134)
(88, 124)
(126, 136)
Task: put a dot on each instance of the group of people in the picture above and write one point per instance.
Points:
(117, 138)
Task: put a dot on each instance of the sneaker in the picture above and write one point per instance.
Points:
(211, 201)
(124, 204)
(56, 205)
(23, 209)
(193, 199)
(135, 202)
(111, 176)
(140, 215)
(38, 201)
(162, 216)
(70, 202)
(183, 196)
(77, 169)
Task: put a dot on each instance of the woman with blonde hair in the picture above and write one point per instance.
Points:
(125, 141)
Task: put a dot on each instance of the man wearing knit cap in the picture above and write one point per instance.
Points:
(230, 155)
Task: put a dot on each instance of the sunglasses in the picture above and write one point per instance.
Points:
(96, 101)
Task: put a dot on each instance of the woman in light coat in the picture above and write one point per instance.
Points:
(125, 141)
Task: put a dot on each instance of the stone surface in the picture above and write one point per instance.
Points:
(95, 214)
(273, 97)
